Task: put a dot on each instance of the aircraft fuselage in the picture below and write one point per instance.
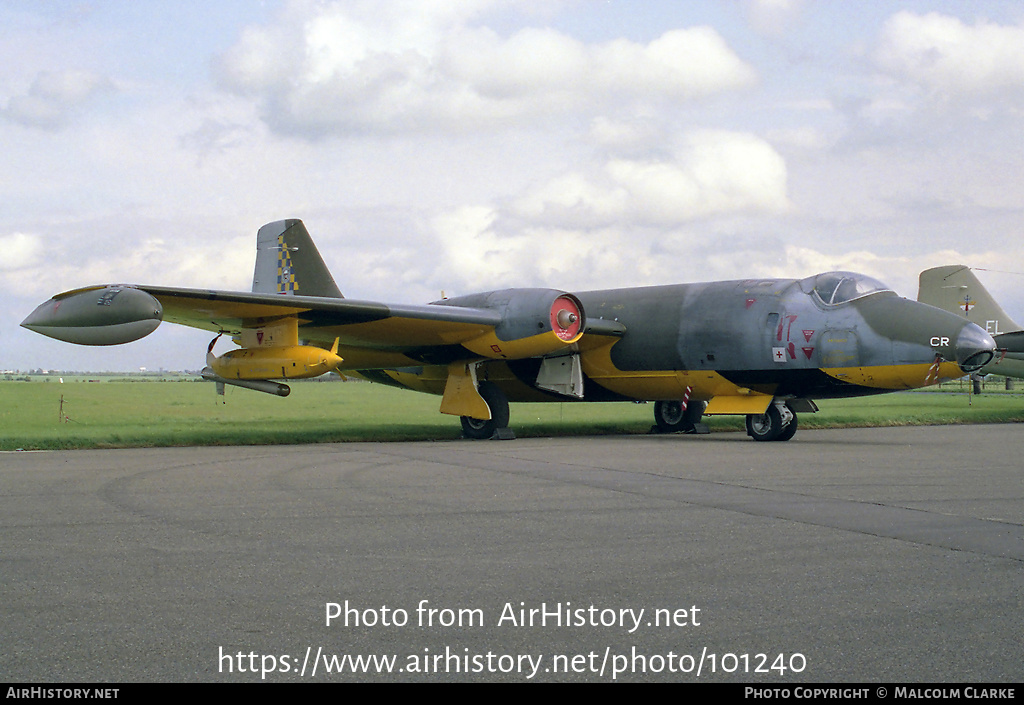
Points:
(771, 337)
(763, 348)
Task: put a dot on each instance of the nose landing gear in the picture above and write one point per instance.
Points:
(777, 423)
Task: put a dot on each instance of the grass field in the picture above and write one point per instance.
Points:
(117, 413)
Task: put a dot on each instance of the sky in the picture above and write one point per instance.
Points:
(434, 146)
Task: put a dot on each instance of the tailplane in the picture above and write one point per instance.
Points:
(954, 288)
(287, 262)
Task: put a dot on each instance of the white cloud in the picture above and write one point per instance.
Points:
(477, 254)
(338, 68)
(773, 17)
(711, 172)
(811, 139)
(947, 56)
(20, 250)
(577, 229)
(808, 260)
(54, 97)
(623, 136)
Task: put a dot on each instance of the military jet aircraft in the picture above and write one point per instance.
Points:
(955, 288)
(761, 348)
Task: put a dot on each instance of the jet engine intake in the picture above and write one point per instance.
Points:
(535, 322)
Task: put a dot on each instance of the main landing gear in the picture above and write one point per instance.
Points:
(497, 426)
(674, 417)
(777, 423)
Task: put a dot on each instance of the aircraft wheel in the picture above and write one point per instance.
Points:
(789, 431)
(498, 404)
(670, 417)
(768, 426)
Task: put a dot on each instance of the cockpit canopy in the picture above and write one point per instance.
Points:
(835, 288)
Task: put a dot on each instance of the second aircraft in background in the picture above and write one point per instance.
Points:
(956, 289)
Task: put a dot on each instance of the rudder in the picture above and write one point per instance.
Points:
(287, 262)
(954, 288)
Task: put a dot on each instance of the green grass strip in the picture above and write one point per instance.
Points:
(115, 413)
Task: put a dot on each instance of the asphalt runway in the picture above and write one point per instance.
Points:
(884, 555)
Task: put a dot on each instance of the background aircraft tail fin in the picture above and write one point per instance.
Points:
(287, 262)
(954, 288)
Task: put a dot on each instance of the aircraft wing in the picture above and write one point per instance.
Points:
(360, 323)
(506, 324)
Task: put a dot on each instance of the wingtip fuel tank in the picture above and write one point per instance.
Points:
(109, 315)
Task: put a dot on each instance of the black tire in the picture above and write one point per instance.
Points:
(670, 417)
(485, 428)
(766, 426)
(789, 431)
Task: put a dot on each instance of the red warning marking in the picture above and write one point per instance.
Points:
(751, 302)
(808, 334)
(789, 329)
(259, 337)
(792, 351)
(495, 348)
(808, 352)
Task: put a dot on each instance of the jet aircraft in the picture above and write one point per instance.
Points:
(955, 288)
(761, 348)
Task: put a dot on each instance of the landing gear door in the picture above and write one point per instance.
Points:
(562, 375)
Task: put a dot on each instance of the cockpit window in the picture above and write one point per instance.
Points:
(834, 288)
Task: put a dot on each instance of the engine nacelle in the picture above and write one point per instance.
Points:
(109, 315)
(289, 362)
(534, 322)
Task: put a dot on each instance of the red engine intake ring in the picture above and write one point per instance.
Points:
(566, 318)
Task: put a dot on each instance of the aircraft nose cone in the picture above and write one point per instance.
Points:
(974, 348)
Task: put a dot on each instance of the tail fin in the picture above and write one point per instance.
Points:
(955, 288)
(287, 262)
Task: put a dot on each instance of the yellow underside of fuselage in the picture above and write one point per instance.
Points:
(656, 385)
(725, 397)
(896, 377)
